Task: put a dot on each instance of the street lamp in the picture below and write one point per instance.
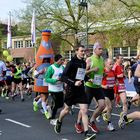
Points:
(83, 3)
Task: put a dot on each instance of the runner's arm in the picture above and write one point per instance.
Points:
(88, 67)
(48, 76)
(137, 72)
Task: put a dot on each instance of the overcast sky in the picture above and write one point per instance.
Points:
(9, 5)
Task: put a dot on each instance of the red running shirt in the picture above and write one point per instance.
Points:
(109, 78)
(118, 69)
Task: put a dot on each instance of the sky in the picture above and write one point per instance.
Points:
(9, 5)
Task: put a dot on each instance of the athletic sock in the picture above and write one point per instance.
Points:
(39, 101)
(125, 118)
(44, 106)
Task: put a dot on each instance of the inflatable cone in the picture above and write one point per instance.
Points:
(44, 58)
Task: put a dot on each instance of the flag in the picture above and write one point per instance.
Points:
(33, 34)
(9, 36)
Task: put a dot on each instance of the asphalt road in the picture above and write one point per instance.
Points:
(19, 122)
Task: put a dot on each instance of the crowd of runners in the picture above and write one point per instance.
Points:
(80, 81)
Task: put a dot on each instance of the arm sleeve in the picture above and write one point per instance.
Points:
(48, 76)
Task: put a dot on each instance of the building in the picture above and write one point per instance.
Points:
(22, 49)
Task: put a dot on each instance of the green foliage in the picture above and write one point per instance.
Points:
(67, 17)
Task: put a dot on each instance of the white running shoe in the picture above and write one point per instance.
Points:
(98, 119)
(53, 121)
(110, 127)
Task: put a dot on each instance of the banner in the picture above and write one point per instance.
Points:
(9, 37)
(33, 33)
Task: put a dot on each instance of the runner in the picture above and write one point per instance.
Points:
(55, 86)
(136, 81)
(43, 96)
(136, 114)
(95, 69)
(121, 90)
(74, 76)
(2, 74)
(108, 83)
(17, 82)
(8, 79)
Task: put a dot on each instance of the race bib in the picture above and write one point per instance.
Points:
(110, 81)
(138, 79)
(97, 79)
(80, 75)
(8, 73)
(121, 88)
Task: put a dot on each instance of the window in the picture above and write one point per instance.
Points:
(116, 51)
(18, 44)
(133, 51)
(125, 51)
(69, 54)
(5, 45)
(28, 44)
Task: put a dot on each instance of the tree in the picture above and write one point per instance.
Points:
(66, 18)
(61, 16)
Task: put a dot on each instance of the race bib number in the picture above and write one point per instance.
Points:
(80, 75)
(97, 79)
(121, 88)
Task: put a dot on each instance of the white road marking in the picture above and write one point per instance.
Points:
(19, 123)
(94, 110)
(0, 132)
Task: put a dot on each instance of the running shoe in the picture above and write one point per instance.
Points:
(118, 106)
(2, 95)
(57, 127)
(49, 111)
(110, 127)
(129, 121)
(98, 119)
(47, 115)
(122, 115)
(105, 117)
(90, 136)
(35, 106)
(79, 128)
(7, 97)
(53, 121)
(121, 121)
(93, 127)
